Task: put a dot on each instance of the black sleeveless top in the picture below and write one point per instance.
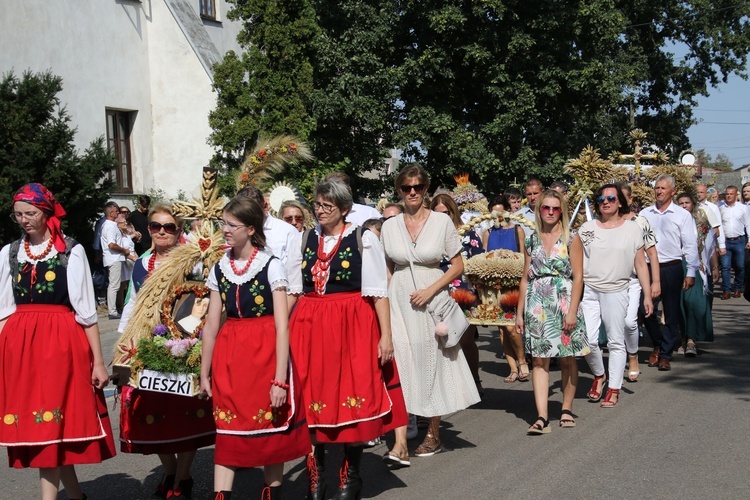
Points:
(255, 296)
(346, 267)
(50, 283)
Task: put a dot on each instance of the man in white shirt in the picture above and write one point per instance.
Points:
(532, 190)
(113, 255)
(674, 228)
(284, 241)
(735, 220)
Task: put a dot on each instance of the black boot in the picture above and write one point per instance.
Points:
(222, 495)
(350, 487)
(163, 488)
(316, 469)
(271, 493)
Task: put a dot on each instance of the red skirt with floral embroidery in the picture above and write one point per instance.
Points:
(249, 431)
(334, 341)
(52, 415)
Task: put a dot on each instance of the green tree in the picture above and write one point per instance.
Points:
(265, 89)
(507, 89)
(722, 162)
(36, 145)
(502, 89)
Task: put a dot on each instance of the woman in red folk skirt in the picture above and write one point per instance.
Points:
(171, 426)
(341, 340)
(51, 366)
(245, 365)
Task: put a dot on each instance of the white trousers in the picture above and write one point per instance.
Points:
(610, 309)
(115, 271)
(631, 318)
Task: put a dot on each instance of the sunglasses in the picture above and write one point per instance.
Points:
(406, 189)
(547, 208)
(169, 227)
(125, 212)
(294, 218)
(610, 198)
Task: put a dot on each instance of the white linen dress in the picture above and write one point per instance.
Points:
(436, 381)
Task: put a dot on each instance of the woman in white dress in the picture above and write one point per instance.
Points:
(436, 381)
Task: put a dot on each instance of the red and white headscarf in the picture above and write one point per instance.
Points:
(39, 196)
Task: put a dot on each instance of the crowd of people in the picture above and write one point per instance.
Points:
(331, 335)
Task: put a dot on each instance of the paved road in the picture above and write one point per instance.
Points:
(681, 434)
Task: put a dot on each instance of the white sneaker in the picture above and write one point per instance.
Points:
(373, 443)
(411, 429)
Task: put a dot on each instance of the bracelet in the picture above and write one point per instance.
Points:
(280, 384)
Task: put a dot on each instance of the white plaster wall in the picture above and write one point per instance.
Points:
(182, 99)
(127, 55)
(99, 48)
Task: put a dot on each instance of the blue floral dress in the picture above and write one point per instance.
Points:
(548, 301)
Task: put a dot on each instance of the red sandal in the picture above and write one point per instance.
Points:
(608, 399)
(595, 393)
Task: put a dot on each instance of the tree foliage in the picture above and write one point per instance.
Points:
(36, 145)
(721, 163)
(502, 89)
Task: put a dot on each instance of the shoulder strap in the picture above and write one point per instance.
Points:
(407, 246)
(65, 256)
(305, 237)
(518, 241)
(13, 259)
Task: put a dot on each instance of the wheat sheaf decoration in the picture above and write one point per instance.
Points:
(207, 249)
(208, 206)
(269, 159)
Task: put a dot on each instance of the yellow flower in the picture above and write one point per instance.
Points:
(304, 264)
(268, 415)
(563, 252)
(222, 415)
(259, 299)
(345, 264)
(150, 419)
(47, 416)
(9, 419)
(50, 275)
(18, 279)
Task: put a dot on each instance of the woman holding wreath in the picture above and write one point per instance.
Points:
(341, 341)
(436, 380)
(172, 426)
(50, 353)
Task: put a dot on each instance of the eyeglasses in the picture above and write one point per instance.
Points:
(406, 189)
(17, 217)
(325, 208)
(610, 198)
(547, 208)
(294, 218)
(169, 227)
(232, 227)
(125, 212)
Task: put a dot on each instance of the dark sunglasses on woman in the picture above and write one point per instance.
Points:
(294, 218)
(169, 227)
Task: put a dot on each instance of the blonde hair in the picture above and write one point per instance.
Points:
(564, 217)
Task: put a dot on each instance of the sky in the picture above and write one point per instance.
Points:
(724, 122)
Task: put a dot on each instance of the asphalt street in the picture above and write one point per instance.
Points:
(681, 434)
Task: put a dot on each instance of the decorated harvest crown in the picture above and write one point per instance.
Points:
(467, 196)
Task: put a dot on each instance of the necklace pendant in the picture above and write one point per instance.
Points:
(414, 244)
